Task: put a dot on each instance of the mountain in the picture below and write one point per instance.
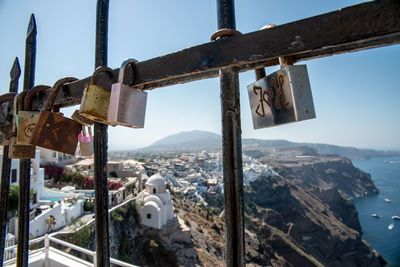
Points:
(186, 141)
(192, 141)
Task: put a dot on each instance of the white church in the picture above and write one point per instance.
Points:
(156, 206)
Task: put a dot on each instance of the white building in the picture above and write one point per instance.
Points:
(48, 201)
(155, 203)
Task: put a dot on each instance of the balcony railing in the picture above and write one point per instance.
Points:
(43, 253)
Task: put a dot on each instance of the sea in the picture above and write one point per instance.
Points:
(382, 233)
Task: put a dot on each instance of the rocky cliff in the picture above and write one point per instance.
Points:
(300, 215)
(295, 222)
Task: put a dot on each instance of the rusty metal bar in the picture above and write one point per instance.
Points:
(15, 73)
(231, 148)
(25, 164)
(100, 147)
(324, 35)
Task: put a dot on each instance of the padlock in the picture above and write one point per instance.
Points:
(19, 151)
(127, 104)
(85, 142)
(27, 118)
(96, 99)
(53, 130)
(6, 118)
(281, 97)
(82, 120)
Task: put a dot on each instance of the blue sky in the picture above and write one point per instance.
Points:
(355, 95)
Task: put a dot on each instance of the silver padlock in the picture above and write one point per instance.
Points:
(127, 104)
(281, 97)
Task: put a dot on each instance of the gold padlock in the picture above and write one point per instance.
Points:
(96, 99)
(6, 118)
(27, 118)
(19, 151)
(127, 104)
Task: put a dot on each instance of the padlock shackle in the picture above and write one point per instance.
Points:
(122, 76)
(99, 70)
(29, 96)
(54, 92)
(8, 97)
(21, 99)
(18, 101)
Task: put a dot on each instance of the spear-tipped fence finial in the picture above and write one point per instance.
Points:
(31, 26)
(30, 54)
(15, 73)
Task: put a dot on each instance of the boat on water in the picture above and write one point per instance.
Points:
(387, 200)
(396, 217)
(390, 227)
(377, 216)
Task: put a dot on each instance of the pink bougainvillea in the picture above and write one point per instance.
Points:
(113, 185)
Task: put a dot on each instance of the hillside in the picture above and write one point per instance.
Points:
(202, 140)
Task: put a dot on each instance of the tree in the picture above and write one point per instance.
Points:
(13, 200)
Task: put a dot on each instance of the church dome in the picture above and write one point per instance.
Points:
(156, 180)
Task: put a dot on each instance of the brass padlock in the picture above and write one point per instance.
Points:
(27, 118)
(6, 118)
(127, 104)
(19, 151)
(96, 99)
(53, 130)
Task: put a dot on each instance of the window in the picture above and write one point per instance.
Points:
(154, 190)
(148, 215)
(13, 176)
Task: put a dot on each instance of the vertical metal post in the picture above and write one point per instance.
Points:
(231, 148)
(15, 73)
(25, 164)
(101, 146)
(46, 251)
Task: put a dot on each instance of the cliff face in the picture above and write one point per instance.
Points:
(299, 216)
(328, 172)
(302, 229)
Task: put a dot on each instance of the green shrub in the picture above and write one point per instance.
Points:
(82, 237)
(88, 206)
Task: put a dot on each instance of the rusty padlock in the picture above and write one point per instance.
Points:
(19, 151)
(27, 118)
(96, 99)
(6, 118)
(53, 130)
(127, 104)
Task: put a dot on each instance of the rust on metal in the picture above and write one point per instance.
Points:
(54, 131)
(25, 164)
(100, 145)
(96, 98)
(15, 73)
(338, 33)
(231, 149)
(224, 33)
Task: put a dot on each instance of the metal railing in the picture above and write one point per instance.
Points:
(47, 248)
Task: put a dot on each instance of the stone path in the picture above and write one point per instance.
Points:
(71, 227)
